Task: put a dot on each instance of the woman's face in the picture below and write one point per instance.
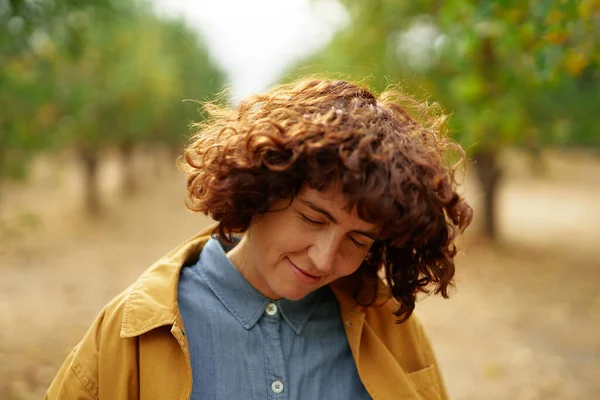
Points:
(293, 250)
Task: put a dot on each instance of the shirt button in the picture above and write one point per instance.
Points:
(271, 310)
(277, 386)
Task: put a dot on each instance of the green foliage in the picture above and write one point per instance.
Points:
(90, 74)
(27, 102)
(511, 72)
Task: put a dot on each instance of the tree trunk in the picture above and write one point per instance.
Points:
(486, 159)
(129, 184)
(489, 175)
(89, 160)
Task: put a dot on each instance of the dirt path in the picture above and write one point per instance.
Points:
(524, 322)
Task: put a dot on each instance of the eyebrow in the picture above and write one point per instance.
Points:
(370, 235)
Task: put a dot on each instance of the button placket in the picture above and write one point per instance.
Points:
(275, 365)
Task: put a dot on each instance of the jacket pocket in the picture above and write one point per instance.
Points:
(426, 383)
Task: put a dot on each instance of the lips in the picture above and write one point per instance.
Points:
(302, 276)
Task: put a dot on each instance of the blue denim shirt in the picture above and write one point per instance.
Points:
(243, 346)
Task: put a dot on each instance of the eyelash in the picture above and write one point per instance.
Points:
(313, 222)
(356, 243)
(310, 221)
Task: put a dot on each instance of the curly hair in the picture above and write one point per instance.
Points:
(391, 166)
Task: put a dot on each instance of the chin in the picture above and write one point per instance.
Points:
(293, 295)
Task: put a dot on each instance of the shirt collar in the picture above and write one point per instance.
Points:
(297, 313)
(241, 299)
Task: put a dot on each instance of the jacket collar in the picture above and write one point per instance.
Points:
(152, 299)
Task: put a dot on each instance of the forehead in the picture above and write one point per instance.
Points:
(332, 200)
(330, 194)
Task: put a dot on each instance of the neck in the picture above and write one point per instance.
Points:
(241, 258)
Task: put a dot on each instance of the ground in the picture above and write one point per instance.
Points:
(523, 322)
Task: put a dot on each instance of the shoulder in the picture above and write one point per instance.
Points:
(104, 332)
(108, 351)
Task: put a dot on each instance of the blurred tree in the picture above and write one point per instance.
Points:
(28, 108)
(511, 72)
(106, 76)
(132, 89)
(197, 78)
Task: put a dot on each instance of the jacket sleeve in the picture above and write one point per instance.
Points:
(72, 382)
(77, 378)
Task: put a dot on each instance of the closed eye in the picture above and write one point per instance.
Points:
(357, 243)
(309, 221)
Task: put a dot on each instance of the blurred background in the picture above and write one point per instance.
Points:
(93, 117)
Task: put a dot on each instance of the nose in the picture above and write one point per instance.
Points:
(323, 252)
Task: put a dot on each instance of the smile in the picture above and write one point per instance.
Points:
(301, 275)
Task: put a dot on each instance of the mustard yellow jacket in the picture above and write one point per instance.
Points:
(137, 348)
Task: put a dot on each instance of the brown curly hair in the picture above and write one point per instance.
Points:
(391, 166)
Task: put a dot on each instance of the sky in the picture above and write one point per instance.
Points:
(255, 40)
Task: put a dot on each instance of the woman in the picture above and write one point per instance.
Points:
(334, 208)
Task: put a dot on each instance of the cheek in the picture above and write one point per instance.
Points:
(354, 259)
(273, 238)
(293, 236)
(350, 265)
